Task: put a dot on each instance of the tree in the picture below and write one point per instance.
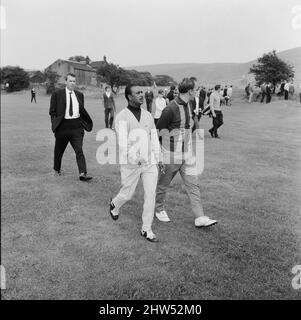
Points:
(164, 80)
(113, 75)
(16, 77)
(270, 68)
(51, 81)
(78, 58)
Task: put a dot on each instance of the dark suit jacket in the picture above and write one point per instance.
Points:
(58, 108)
(109, 103)
(149, 95)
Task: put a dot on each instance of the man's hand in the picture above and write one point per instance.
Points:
(213, 114)
(141, 161)
(161, 167)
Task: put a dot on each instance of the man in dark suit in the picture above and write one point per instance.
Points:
(69, 118)
(149, 96)
(110, 109)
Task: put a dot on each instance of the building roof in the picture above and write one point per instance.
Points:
(97, 64)
(77, 65)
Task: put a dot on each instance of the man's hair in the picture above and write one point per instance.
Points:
(160, 91)
(128, 91)
(107, 87)
(69, 74)
(217, 87)
(172, 87)
(186, 84)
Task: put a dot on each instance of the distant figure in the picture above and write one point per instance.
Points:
(171, 93)
(160, 105)
(110, 108)
(149, 96)
(225, 94)
(268, 93)
(286, 90)
(202, 98)
(230, 92)
(291, 89)
(251, 93)
(247, 90)
(300, 93)
(216, 111)
(33, 95)
(263, 91)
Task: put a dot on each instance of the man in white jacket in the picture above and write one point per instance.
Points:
(139, 152)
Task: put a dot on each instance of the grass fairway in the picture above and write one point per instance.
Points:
(58, 240)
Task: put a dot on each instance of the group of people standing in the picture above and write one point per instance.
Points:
(264, 91)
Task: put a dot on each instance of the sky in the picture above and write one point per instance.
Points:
(35, 33)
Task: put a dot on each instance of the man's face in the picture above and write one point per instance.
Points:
(136, 98)
(192, 94)
(108, 90)
(70, 83)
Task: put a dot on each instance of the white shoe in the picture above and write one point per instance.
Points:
(149, 235)
(162, 216)
(204, 221)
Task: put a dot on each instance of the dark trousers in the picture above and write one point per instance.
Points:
(73, 132)
(149, 105)
(262, 96)
(217, 122)
(33, 97)
(109, 117)
(285, 95)
(269, 98)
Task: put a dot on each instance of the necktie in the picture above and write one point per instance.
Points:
(70, 106)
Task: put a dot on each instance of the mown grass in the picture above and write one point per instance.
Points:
(59, 242)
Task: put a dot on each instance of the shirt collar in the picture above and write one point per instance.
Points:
(180, 101)
(68, 91)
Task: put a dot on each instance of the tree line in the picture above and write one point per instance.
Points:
(269, 69)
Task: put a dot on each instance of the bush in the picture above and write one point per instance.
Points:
(16, 77)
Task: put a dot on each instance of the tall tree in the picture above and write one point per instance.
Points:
(16, 77)
(270, 68)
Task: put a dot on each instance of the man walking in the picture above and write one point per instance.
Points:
(33, 95)
(263, 91)
(202, 98)
(230, 91)
(216, 111)
(141, 160)
(268, 93)
(110, 108)
(69, 118)
(286, 90)
(176, 123)
(149, 97)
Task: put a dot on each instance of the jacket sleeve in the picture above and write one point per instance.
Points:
(53, 106)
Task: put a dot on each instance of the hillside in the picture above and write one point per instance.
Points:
(211, 73)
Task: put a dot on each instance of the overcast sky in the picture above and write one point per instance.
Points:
(138, 32)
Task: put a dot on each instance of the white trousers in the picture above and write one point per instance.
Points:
(129, 179)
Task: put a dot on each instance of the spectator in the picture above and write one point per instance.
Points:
(160, 105)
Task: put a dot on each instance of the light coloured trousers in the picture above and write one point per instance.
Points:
(129, 180)
(191, 182)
